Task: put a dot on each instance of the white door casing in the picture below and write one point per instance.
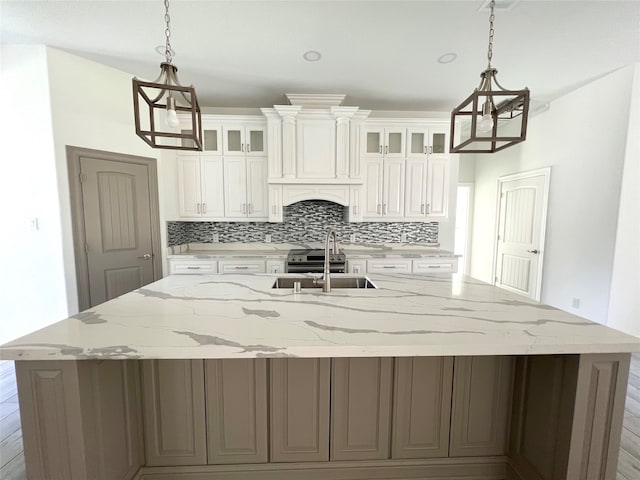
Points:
(521, 221)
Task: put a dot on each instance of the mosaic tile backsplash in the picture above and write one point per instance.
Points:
(303, 222)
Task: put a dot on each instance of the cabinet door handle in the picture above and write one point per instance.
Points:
(248, 148)
(198, 207)
(380, 148)
(385, 210)
(204, 208)
(238, 267)
(422, 209)
(430, 149)
(250, 208)
(378, 210)
(388, 266)
(193, 268)
(386, 149)
(244, 208)
(242, 147)
(428, 209)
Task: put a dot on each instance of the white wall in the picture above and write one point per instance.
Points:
(624, 300)
(32, 280)
(582, 137)
(92, 107)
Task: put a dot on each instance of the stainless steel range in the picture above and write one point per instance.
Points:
(312, 261)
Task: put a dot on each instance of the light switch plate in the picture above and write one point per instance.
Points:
(267, 238)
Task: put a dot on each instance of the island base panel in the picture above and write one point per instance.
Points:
(83, 420)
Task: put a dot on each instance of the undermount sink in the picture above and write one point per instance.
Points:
(336, 282)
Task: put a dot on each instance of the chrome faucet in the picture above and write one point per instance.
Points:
(326, 278)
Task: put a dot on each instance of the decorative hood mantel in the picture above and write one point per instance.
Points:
(313, 148)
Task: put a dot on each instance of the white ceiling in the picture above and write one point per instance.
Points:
(381, 54)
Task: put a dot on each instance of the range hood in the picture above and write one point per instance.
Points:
(314, 152)
(314, 141)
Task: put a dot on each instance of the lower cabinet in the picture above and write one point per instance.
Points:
(236, 400)
(421, 407)
(482, 389)
(248, 411)
(300, 410)
(361, 408)
(174, 412)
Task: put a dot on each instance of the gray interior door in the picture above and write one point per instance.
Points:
(117, 220)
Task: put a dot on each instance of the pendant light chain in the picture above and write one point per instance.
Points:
(492, 17)
(167, 32)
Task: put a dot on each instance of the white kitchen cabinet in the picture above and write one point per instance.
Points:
(427, 140)
(179, 266)
(389, 265)
(427, 188)
(437, 187)
(383, 141)
(275, 266)
(357, 266)
(435, 265)
(245, 193)
(241, 266)
(245, 139)
(200, 186)
(384, 197)
(211, 136)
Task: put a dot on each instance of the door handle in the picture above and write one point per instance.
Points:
(146, 256)
(535, 252)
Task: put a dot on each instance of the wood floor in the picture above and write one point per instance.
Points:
(12, 459)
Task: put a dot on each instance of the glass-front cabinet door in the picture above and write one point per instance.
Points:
(211, 139)
(417, 142)
(372, 142)
(439, 140)
(394, 142)
(245, 140)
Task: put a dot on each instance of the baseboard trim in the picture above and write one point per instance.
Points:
(481, 468)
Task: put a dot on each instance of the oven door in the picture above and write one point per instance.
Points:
(314, 268)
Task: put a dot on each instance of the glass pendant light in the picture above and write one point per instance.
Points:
(157, 104)
(490, 119)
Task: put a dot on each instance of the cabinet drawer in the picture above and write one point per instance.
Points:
(389, 266)
(192, 267)
(436, 265)
(242, 266)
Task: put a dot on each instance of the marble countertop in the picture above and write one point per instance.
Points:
(242, 316)
(280, 250)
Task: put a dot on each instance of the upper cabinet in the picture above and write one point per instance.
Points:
(387, 142)
(228, 179)
(245, 138)
(406, 167)
(200, 186)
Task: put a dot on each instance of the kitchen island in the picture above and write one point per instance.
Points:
(225, 377)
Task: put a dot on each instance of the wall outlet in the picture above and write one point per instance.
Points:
(267, 238)
(215, 238)
(403, 237)
(575, 303)
(352, 238)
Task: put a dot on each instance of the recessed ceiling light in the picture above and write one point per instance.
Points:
(447, 57)
(161, 49)
(312, 56)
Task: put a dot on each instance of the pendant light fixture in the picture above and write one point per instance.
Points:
(490, 119)
(156, 106)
